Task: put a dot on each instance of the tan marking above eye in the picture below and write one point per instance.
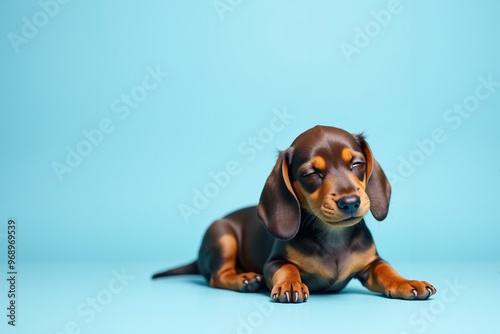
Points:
(347, 154)
(318, 163)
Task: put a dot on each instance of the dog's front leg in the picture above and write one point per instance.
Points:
(379, 276)
(283, 279)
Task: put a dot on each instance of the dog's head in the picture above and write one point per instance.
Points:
(330, 173)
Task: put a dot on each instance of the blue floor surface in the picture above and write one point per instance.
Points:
(121, 298)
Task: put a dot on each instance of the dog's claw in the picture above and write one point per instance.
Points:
(275, 297)
(290, 292)
(250, 282)
(306, 296)
(414, 291)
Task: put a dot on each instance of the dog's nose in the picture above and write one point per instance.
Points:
(349, 204)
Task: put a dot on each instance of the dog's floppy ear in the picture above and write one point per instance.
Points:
(278, 207)
(377, 187)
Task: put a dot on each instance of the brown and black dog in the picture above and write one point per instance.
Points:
(307, 234)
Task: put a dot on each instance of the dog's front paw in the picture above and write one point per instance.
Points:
(290, 292)
(411, 290)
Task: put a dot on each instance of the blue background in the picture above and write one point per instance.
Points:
(228, 75)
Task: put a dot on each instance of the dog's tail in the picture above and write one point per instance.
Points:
(188, 269)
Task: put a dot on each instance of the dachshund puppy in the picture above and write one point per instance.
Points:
(307, 233)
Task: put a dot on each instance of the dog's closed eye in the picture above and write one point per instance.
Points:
(358, 167)
(311, 174)
(358, 164)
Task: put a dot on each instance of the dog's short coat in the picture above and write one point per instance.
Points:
(307, 233)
